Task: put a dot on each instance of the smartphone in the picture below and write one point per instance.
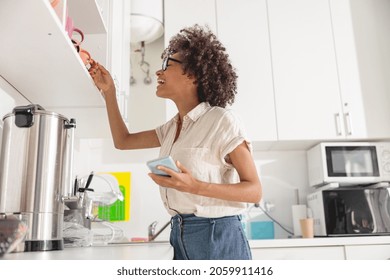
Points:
(164, 161)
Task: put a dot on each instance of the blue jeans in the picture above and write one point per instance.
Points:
(196, 238)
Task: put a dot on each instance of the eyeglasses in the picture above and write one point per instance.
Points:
(166, 60)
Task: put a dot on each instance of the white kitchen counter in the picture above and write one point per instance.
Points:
(133, 251)
(320, 241)
(162, 250)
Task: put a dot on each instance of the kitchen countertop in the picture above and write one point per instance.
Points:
(160, 250)
(320, 241)
(123, 251)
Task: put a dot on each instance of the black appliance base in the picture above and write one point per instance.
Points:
(43, 245)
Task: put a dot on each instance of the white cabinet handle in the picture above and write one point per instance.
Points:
(338, 125)
(348, 125)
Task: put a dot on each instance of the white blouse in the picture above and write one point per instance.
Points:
(207, 136)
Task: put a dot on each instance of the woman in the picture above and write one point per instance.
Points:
(218, 176)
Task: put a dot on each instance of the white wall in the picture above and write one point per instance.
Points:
(99, 155)
(146, 111)
(281, 173)
(9, 98)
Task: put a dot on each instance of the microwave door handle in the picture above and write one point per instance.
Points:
(338, 124)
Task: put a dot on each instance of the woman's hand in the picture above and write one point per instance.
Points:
(181, 181)
(102, 78)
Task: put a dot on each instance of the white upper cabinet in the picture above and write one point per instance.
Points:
(38, 58)
(362, 41)
(243, 29)
(112, 50)
(41, 63)
(307, 93)
(179, 14)
(329, 66)
(247, 42)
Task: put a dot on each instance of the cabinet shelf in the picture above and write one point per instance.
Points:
(39, 60)
(87, 16)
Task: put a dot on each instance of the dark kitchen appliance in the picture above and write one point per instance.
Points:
(353, 211)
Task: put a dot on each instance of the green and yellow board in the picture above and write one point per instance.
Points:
(119, 210)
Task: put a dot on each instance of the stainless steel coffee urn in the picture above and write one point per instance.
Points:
(35, 173)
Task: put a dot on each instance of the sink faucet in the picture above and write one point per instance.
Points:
(152, 230)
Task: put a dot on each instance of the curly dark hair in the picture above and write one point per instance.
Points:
(204, 57)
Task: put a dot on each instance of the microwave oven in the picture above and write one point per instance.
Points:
(350, 211)
(348, 163)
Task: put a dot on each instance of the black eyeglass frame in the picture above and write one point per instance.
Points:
(166, 60)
